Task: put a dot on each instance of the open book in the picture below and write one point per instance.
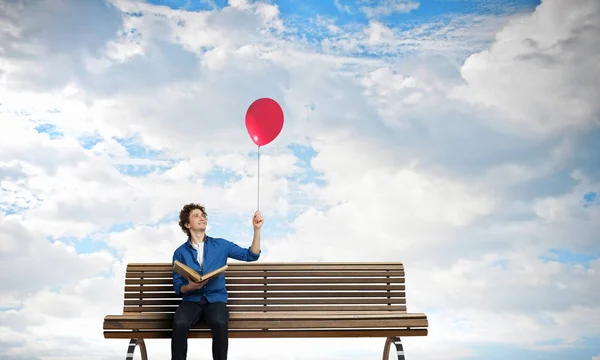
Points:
(187, 271)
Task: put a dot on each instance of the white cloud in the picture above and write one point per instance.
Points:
(378, 33)
(388, 7)
(342, 7)
(541, 71)
(454, 37)
(23, 252)
(56, 32)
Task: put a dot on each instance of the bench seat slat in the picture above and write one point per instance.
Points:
(275, 301)
(275, 273)
(229, 281)
(241, 334)
(234, 288)
(273, 308)
(282, 266)
(273, 294)
(274, 324)
(284, 315)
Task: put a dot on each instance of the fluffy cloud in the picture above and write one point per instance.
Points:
(389, 7)
(24, 249)
(541, 73)
(57, 32)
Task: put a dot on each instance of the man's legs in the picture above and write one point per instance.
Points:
(217, 318)
(186, 315)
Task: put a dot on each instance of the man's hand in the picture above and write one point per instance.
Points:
(257, 220)
(193, 285)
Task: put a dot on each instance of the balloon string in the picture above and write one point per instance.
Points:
(258, 192)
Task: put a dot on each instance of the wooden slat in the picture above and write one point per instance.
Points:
(205, 333)
(273, 308)
(275, 324)
(289, 315)
(149, 281)
(288, 263)
(234, 288)
(252, 268)
(317, 266)
(148, 275)
(275, 273)
(228, 281)
(314, 301)
(150, 288)
(276, 294)
(282, 266)
(315, 273)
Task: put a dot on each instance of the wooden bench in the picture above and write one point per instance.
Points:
(278, 300)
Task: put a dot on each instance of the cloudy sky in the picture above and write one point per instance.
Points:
(459, 137)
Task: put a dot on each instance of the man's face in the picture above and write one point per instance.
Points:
(197, 220)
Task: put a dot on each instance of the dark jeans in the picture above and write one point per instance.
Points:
(187, 314)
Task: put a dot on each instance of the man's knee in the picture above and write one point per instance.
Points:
(181, 324)
(220, 320)
(220, 323)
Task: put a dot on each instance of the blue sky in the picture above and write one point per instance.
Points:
(438, 133)
(350, 11)
(302, 15)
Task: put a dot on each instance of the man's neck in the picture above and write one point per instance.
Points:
(197, 237)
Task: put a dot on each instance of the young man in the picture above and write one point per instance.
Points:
(208, 299)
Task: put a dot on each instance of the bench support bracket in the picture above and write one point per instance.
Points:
(399, 349)
(131, 350)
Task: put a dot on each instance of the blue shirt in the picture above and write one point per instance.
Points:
(216, 253)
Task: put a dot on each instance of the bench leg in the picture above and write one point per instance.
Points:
(132, 344)
(399, 349)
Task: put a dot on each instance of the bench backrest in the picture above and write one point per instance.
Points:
(264, 286)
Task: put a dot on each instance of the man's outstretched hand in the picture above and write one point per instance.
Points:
(257, 220)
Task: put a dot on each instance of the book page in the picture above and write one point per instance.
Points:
(186, 271)
(214, 273)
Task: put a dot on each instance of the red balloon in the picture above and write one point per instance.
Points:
(264, 121)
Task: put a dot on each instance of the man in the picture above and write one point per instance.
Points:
(208, 299)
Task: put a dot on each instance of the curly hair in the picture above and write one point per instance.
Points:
(184, 215)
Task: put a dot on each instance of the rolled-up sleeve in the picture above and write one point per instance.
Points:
(239, 253)
(178, 280)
